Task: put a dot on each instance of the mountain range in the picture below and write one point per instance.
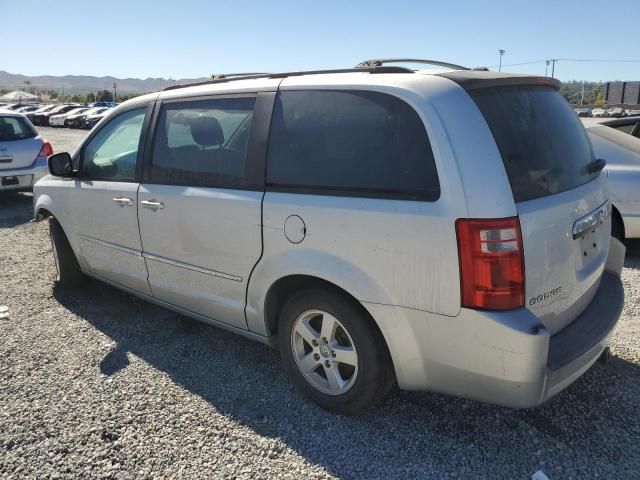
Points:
(83, 84)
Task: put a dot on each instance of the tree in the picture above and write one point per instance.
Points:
(104, 96)
(27, 85)
(91, 97)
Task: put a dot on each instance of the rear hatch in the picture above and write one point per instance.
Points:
(19, 143)
(560, 196)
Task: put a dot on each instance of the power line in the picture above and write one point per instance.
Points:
(595, 60)
(518, 64)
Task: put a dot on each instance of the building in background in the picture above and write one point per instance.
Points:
(622, 93)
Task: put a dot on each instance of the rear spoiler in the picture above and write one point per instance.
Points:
(474, 80)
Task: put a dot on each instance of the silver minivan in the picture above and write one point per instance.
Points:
(443, 231)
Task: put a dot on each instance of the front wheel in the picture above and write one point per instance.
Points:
(333, 352)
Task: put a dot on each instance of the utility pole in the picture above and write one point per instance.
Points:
(501, 53)
(546, 68)
(115, 92)
(582, 97)
(553, 66)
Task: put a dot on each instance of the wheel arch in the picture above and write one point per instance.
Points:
(285, 287)
(617, 221)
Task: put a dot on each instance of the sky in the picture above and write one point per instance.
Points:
(195, 38)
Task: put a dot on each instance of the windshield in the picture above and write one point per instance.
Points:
(541, 140)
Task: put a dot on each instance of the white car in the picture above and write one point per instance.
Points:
(622, 154)
(90, 121)
(380, 225)
(58, 120)
(599, 112)
(23, 153)
(76, 120)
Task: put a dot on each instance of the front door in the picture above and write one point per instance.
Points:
(104, 207)
(199, 209)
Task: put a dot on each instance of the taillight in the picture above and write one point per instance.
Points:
(46, 150)
(491, 263)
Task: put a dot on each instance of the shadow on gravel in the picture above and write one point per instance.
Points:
(591, 427)
(16, 208)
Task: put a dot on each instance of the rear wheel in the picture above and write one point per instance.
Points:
(333, 352)
(68, 273)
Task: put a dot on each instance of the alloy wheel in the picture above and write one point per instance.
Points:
(324, 352)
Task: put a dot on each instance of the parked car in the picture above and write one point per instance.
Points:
(447, 232)
(23, 153)
(599, 112)
(42, 119)
(630, 125)
(616, 112)
(632, 113)
(90, 121)
(583, 112)
(77, 120)
(43, 108)
(622, 153)
(28, 109)
(13, 106)
(58, 120)
(102, 104)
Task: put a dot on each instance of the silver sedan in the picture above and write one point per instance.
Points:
(23, 153)
(622, 153)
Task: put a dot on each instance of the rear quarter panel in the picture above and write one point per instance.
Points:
(391, 252)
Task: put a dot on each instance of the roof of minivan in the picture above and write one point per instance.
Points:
(467, 79)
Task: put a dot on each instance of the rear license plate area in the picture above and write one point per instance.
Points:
(591, 245)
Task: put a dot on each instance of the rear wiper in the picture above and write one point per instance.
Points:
(595, 166)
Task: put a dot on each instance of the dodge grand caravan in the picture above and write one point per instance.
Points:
(446, 231)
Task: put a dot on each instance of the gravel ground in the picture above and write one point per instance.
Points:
(63, 139)
(96, 383)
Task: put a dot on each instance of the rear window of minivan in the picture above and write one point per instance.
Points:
(350, 143)
(543, 145)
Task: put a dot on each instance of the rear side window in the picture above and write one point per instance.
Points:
(202, 143)
(355, 143)
(15, 128)
(541, 140)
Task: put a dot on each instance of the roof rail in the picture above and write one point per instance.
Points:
(218, 76)
(378, 62)
(222, 78)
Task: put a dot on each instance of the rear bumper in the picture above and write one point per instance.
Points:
(574, 349)
(26, 177)
(505, 358)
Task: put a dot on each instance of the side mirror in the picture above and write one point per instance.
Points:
(61, 165)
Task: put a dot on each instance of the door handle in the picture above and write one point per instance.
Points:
(152, 204)
(122, 201)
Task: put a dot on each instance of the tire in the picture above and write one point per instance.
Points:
(355, 388)
(68, 273)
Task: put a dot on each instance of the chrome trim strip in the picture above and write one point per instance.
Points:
(192, 267)
(120, 248)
